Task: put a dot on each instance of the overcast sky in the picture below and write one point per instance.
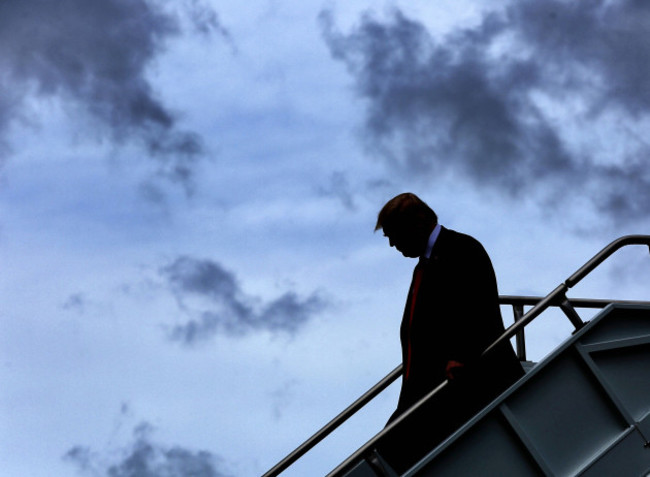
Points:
(191, 283)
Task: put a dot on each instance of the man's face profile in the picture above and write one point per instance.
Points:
(405, 241)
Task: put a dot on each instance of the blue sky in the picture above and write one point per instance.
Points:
(188, 194)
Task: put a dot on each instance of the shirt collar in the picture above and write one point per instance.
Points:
(432, 241)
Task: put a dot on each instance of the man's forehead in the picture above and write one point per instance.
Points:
(392, 231)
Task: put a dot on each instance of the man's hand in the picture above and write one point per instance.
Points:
(453, 370)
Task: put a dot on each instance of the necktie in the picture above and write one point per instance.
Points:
(417, 279)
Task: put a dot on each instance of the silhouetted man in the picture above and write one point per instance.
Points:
(451, 316)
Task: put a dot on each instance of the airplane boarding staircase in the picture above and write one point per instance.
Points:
(584, 410)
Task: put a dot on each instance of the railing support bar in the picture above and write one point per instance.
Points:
(520, 338)
(571, 313)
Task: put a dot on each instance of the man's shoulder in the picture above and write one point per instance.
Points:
(459, 239)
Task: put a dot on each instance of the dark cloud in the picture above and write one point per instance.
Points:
(8, 109)
(339, 188)
(76, 301)
(469, 102)
(205, 20)
(96, 55)
(594, 43)
(146, 458)
(283, 398)
(227, 309)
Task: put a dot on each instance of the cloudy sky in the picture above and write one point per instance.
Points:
(191, 283)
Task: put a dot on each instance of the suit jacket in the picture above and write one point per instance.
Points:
(456, 317)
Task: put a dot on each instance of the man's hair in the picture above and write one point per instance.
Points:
(406, 208)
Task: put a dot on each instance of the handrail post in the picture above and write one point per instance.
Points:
(571, 313)
(520, 341)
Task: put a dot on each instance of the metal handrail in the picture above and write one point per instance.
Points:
(595, 303)
(518, 303)
(556, 298)
(335, 423)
